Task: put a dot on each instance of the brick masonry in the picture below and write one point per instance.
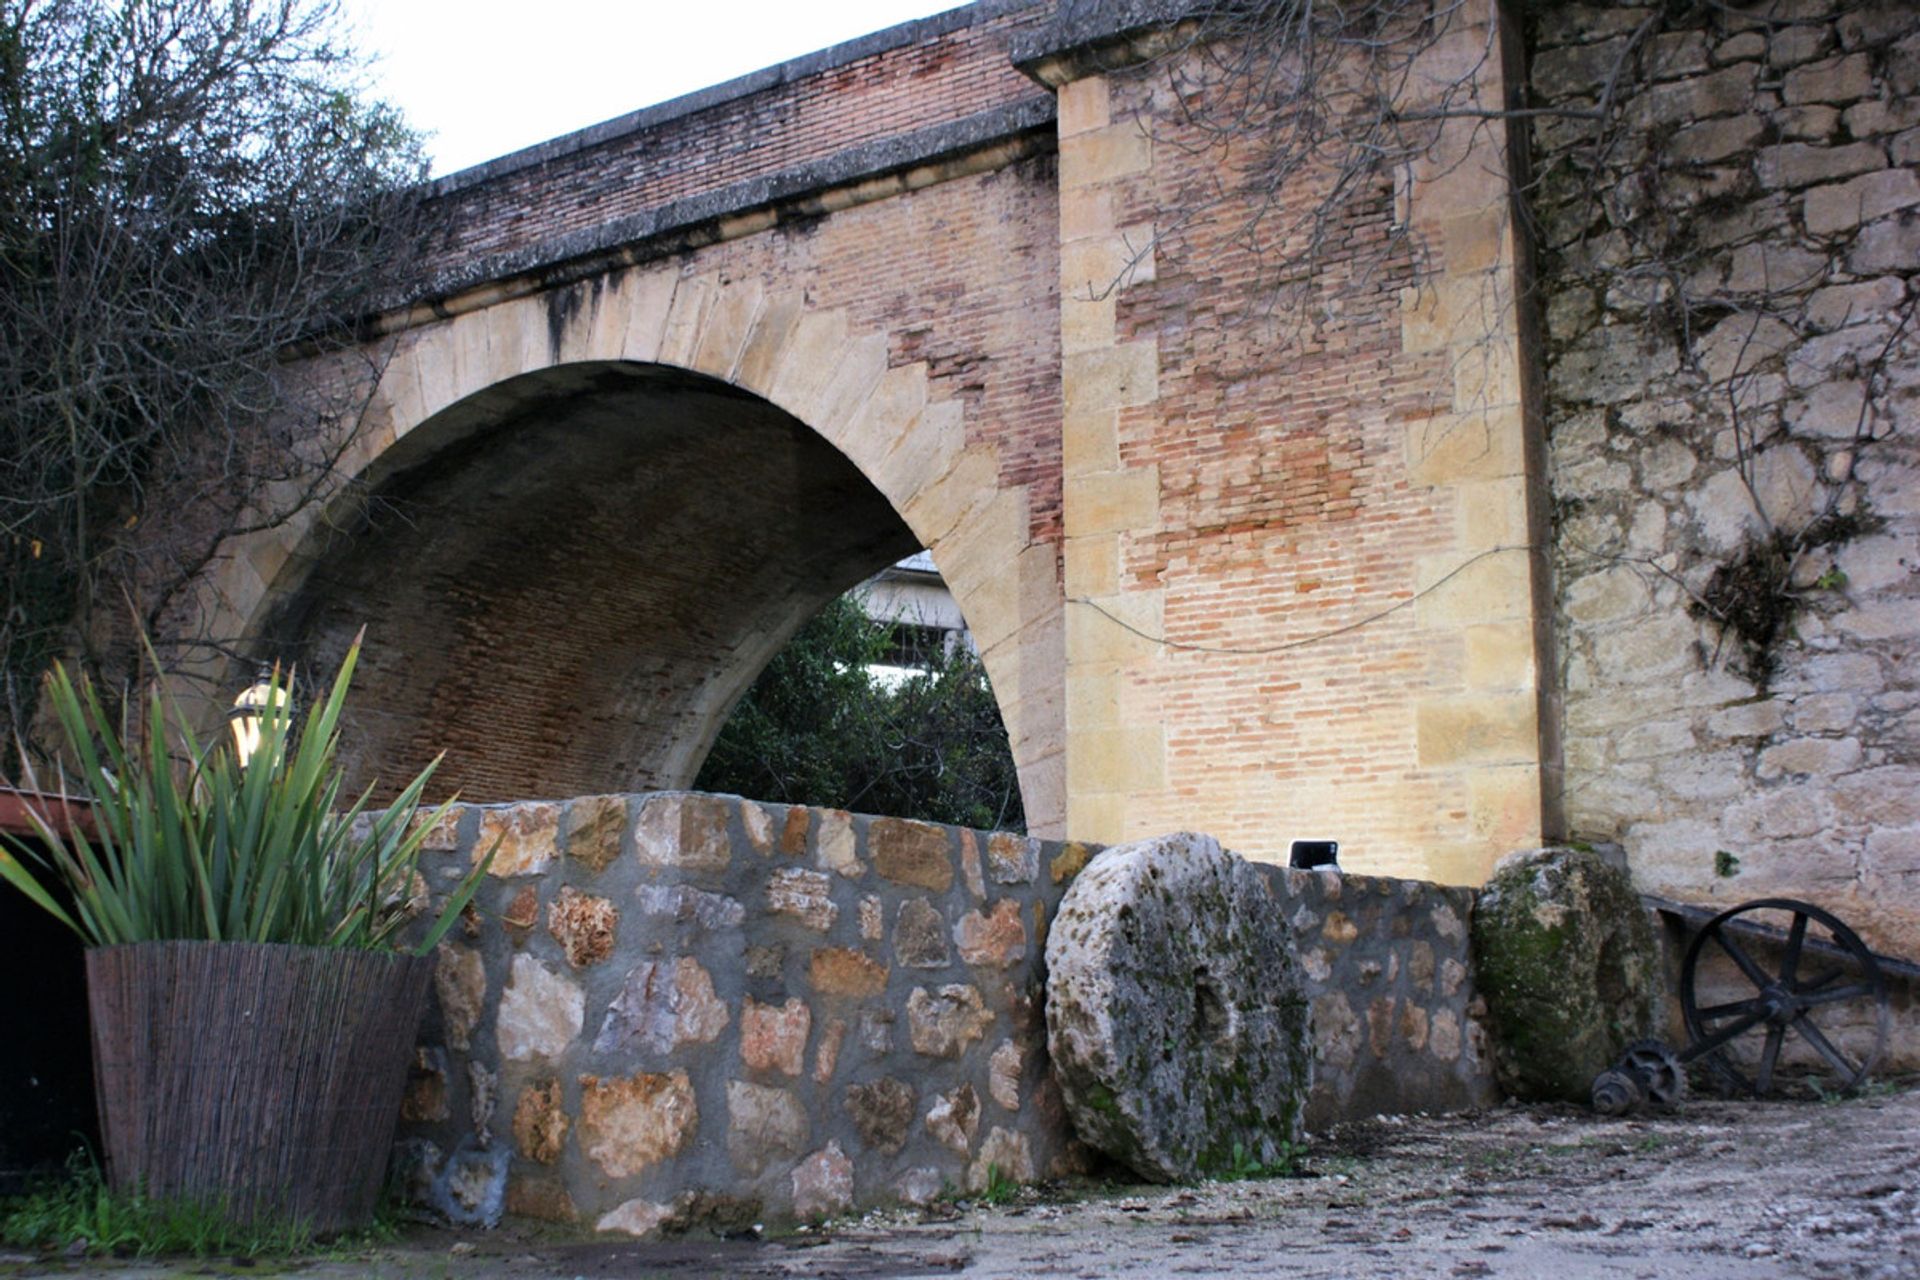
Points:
(676, 1008)
(1333, 581)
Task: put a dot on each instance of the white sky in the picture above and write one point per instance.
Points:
(486, 77)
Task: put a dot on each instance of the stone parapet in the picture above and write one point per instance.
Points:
(1386, 966)
(673, 1008)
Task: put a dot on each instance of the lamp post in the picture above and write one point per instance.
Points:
(250, 708)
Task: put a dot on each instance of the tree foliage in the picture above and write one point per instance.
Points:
(187, 187)
(818, 728)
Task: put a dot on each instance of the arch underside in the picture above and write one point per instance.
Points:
(569, 578)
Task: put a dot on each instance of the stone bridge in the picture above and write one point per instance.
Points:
(980, 284)
(685, 376)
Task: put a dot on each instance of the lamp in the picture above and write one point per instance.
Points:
(250, 708)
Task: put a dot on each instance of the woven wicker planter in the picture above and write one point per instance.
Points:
(260, 1079)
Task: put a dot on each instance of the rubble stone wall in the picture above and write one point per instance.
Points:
(1385, 964)
(674, 1008)
(1732, 380)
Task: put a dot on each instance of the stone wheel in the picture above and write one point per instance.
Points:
(1175, 1016)
(1825, 976)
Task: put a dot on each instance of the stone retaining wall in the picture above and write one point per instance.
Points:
(1732, 378)
(1397, 1025)
(673, 1008)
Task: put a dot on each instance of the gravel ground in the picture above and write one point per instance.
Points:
(1723, 1189)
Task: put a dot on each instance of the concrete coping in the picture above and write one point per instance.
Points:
(794, 69)
(875, 159)
(1087, 36)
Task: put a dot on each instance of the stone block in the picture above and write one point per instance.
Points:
(774, 1037)
(954, 1118)
(1842, 79)
(1802, 164)
(647, 299)
(1012, 859)
(834, 844)
(845, 972)
(1455, 448)
(881, 1113)
(583, 925)
(1111, 377)
(1500, 655)
(1004, 1071)
(638, 1218)
(1123, 760)
(540, 1012)
(915, 853)
(524, 838)
(683, 904)
(943, 1022)
(727, 325)
(823, 1183)
(685, 319)
(1832, 410)
(460, 987)
(1083, 106)
(1487, 729)
(594, 827)
(628, 1123)
(920, 936)
(684, 831)
(1889, 245)
(1004, 1153)
(1845, 205)
(804, 896)
(425, 1099)
(540, 1122)
(1839, 305)
(765, 1126)
(663, 1005)
(995, 939)
(1818, 757)
(1101, 155)
(1462, 589)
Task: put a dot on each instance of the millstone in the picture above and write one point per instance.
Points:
(1175, 1016)
(1568, 964)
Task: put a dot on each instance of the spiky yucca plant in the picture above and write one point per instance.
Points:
(188, 844)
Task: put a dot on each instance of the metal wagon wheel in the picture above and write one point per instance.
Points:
(1830, 979)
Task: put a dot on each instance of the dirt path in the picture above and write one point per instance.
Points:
(1748, 1190)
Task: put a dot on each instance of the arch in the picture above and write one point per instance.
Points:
(463, 385)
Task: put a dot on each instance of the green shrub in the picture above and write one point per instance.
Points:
(188, 844)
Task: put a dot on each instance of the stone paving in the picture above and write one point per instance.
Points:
(1758, 1191)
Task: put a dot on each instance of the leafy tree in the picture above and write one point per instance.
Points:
(818, 728)
(188, 188)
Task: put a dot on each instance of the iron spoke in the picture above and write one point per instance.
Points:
(1815, 999)
(1724, 1034)
(1769, 1058)
(1755, 974)
(1808, 988)
(1729, 1009)
(1796, 939)
(1848, 1071)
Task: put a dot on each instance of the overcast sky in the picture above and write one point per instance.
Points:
(485, 77)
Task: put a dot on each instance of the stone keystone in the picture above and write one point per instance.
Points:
(1175, 1017)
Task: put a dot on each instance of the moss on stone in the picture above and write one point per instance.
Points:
(1566, 959)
